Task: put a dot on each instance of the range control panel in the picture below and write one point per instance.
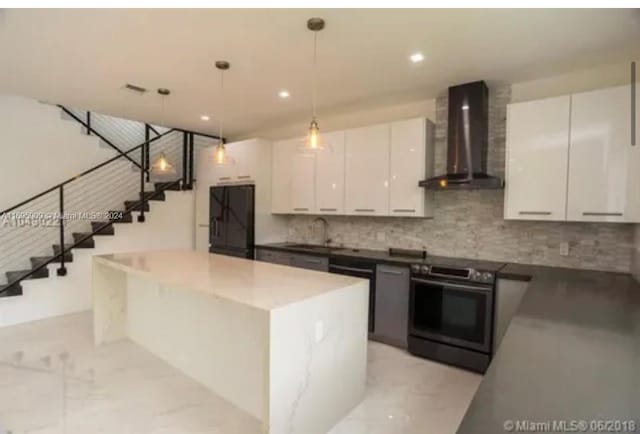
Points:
(464, 274)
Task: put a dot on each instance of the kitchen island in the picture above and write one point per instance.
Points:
(288, 346)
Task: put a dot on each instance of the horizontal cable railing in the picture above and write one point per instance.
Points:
(31, 228)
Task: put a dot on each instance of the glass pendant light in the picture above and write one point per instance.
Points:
(313, 141)
(220, 155)
(161, 167)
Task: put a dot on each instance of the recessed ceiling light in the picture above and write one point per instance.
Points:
(204, 118)
(284, 94)
(416, 57)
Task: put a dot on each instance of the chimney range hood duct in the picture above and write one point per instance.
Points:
(467, 140)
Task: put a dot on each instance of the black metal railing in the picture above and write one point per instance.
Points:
(111, 180)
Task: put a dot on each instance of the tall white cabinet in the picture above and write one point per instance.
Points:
(537, 156)
(367, 170)
(573, 158)
(604, 170)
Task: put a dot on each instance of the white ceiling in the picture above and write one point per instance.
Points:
(82, 58)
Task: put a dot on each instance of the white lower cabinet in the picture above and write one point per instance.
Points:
(536, 159)
(604, 168)
(367, 170)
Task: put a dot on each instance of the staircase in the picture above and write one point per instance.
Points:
(109, 194)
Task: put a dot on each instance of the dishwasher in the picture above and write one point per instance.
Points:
(363, 269)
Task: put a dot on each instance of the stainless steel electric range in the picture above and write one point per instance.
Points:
(451, 314)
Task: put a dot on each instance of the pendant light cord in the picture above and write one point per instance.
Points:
(315, 74)
(220, 141)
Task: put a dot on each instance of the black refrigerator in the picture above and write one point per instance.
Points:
(231, 220)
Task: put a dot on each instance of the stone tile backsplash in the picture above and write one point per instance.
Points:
(470, 223)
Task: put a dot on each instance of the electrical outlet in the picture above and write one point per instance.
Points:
(564, 249)
(381, 237)
(319, 331)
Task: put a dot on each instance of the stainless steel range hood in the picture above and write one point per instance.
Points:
(467, 140)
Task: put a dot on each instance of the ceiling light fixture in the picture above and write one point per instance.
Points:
(416, 57)
(161, 167)
(284, 94)
(220, 156)
(204, 118)
(313, 141)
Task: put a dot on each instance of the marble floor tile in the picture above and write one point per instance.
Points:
(54, 381)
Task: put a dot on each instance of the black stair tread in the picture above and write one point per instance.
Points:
(120, 217)
(155, 195)
(38, 260)
(86, 244)
(107, 230)
(134, 205)
(56, 247)
(15, 275)
(14, 290)
(167, 186)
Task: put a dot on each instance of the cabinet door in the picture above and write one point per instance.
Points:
(273, 257)
(281, 176)
(407, 168)
(245, 155)
(330, 175)
(310, 262)
(303, 180)
(604, 166)
(367, 170)
(537, 154)
(392, 305)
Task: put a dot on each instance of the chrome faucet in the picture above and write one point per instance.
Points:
(325, 225)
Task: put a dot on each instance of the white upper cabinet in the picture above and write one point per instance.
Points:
(408, 166)
(604, 166)
(536, 159)
(282, 165)
(330, 175)
(367, 170)
(303, 197)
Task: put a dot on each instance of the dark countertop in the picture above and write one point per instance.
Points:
(571, 352)
(383, 256)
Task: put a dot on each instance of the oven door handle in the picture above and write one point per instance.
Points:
(351, 269)
(452, 285)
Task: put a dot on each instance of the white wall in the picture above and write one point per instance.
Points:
(578, 81)
(168, 225)
(36, 147)
(350, 118)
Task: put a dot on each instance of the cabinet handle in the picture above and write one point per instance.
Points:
(313, 261)
(534, 212)
(364, 210)
(602, 214)
(224, 178)
(301, 209)
(329, 209)
(633, 103)
(404, 210)
(244, 176)
(395, 273)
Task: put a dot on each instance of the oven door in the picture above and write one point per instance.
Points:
(452, 313)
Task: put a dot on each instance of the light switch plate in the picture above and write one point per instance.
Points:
(381, 237)
(564, 249)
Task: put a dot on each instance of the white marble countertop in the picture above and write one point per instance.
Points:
(258, 284)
